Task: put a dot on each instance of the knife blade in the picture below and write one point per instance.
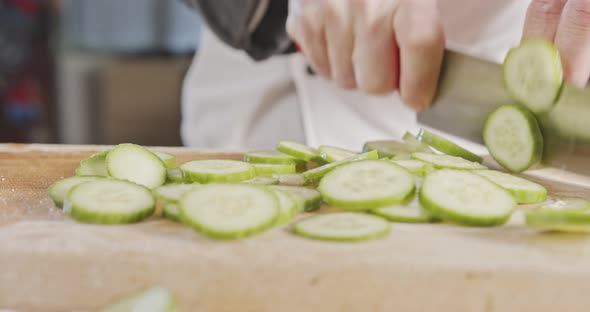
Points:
(470, 89)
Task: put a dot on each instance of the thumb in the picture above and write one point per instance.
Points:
(542, 19)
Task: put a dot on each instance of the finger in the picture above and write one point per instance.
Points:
(573, 41)
(542, 19)
(421, 42)
(375, 51)
(340, 42)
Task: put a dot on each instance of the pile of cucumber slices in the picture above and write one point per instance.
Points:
(423, 178)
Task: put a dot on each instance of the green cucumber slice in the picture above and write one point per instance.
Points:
(169, 160)
(263, 181)
(307, 199)
(533, 74)
(523, 191)
(565, 203)
(414, 166)
(559, 220)
(270, 157)
(412, 140)
(318, 173)
(465, 198)
(333, 154)
(294, 179)
(448, 161)
(172, 193)
(299, 151)
(217, 171)
(287, 207)
(411, 212)
(171, 212)
(366, 185)
(393, 149)
(447, 147)
(109, 201)
(60, 189)
(174, 175)
(266, 170)
(94, 165)
(229, 211)
(156, 299)
(136, 164)
(513, 137)
(342, 226)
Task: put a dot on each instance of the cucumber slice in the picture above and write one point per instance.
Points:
(566, 203)
(287, 207)
(561, 221)
(171, 212)
(60, 189)
(411, 139)
(175, 175)
(155, 299)
(465, 198)
(136, 164)
(263, 181)
(266, 170)
(109, 201)
(366, 185)
(513, 137)
(299, 151)
(447, 147)
(333, 154)
(94, 165)
(533, 74)
(229, 211)
(317, 173)
(307, 199)
(411, 212)
(172, 193)
(414, 166)
(295, 179)
(169, 160)
(217, 171)
(393, 149)
(343, 226)
(448, 161)
(523, 191)
(270, 157)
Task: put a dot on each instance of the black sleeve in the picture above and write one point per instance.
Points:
(230, 19)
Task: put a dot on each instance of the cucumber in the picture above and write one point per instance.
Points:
(523, 191)
(411, 212)
(412, 140)
(174, 175)
(266, 170)
(299, 151)
(136, 164)
(565, 203)
(343, 226)
(416, 167)
(513, 137)
(366, 185)
(60, 189)
(447, 147)
(465, 198)
(393, 149)
(559, 220)
(94, 165)
(533, 74)
(169, 160)
(217, 171)
(270, 157)
(109, 201)
(333, 154)
(294, 179)
(263, 181)
(230, 211)
(156, 299)
(172, 193)
(287, 207)
(318, 173)
(307, 199)
(171, 212)
(448, 161)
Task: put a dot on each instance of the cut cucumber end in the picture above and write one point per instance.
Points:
(561, 221)
(298, 151)
(218, 171)
(94, 165)
(523, 191)
(270, 157)
(60, 189)
(344, 226)
(267, 170)
(333, 154)
(171, 212)
(411, 212)
(174, 175)
(307, 199)
(136, 164)
(447, 147)
(287, 207)
(169, 160)
(318, 173)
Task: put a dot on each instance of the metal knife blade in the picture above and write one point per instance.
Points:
(470, 89)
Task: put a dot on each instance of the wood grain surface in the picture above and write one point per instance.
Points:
(51, 263)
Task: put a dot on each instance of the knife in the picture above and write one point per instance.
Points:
(470, 89)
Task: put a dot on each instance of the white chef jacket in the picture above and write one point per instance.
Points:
(230, 101)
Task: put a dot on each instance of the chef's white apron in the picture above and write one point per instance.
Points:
(230, 101)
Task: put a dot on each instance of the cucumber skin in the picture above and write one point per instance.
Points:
(376, 235)
(548, 219)
(206, 178)
(251, 157)
(445, 146)
(534, 128)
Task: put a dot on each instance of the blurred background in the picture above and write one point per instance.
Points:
(94, 71)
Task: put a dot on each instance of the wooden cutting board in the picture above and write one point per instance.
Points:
(51, 263)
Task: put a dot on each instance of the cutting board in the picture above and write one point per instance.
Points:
(51, 263)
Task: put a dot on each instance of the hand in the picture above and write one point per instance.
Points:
(377, 46)
(567, 24)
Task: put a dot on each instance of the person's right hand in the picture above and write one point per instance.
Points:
(566, 23)
(377, 46)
